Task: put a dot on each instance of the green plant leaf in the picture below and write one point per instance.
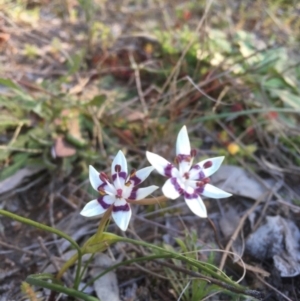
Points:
(288, 98)
(97, 101)
(9, 83)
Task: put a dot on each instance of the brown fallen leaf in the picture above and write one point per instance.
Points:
(62, 149)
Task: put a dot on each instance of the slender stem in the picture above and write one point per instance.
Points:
(41, 226)
(59, 288)
(73, 259)
(149, 201)
(103, 222)
(67, 265)
(226, 286)
(51, 230)
(196, 263)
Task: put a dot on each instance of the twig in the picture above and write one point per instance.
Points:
(47, 253)
(135, 67)
(21, 250)
(238, 229)
(273, 288)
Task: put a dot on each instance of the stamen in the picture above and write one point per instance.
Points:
(203, 182)
(103, 177)
(206, 181)
(117, 168)
(180, 158)
(101, 191)
(200, 184)
(132, 173)
(128, 183)
(193, 153)
(207, 164)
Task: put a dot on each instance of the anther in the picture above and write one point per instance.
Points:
(103, 177)
(132, 173)
(102, 191)
(193, 153)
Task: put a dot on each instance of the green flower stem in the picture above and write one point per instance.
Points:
(226, 286)
(97, 236)
(67, 265)
(203, 266)
(149, 201)
(207, 268)
(126, 262)
(51, 230)
(104, 221)
(59, 288)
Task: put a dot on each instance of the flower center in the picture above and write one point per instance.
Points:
(186, 175)
(119, 193)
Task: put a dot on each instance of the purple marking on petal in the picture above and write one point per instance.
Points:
(136, 180)
(168, 170)
(102, 202)
(133, 194)
(176, 185)
(121, 174)
(199, 190)
(121, 208)
(190, 196)
(201, 174)
(207, 164)
(101, 187)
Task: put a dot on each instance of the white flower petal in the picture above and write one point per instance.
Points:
(141, 175)
(213, 192)
(94, 176)
(119, 160)
(207, 167)
(121, 214)
(92, 209)
(184, 166)
(196, 205)
(109, 189)
(171, 189)
(162, 166)
(141, 193)
(183, 146)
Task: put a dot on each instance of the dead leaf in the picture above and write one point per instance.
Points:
(277, 239)
(62, 149)
(17, 179)
(106, 287)
(238, 181)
